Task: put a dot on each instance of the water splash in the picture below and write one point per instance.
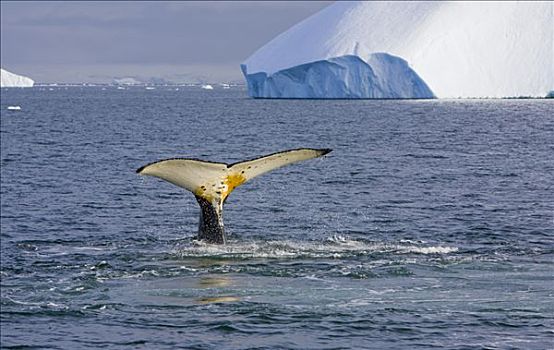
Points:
(336, 246)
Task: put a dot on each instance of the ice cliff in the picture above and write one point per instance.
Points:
(410, 50)
(342, 77)
(8, 79)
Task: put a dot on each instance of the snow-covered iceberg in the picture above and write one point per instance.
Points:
(410, 50)
(8, 79)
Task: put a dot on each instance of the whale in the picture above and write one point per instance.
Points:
(212, 182)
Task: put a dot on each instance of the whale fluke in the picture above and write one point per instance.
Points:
(213, 182)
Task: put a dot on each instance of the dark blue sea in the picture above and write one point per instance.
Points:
(430, 225)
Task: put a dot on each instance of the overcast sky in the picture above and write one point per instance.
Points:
(53, 41)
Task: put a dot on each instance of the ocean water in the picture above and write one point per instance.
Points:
(430, 225)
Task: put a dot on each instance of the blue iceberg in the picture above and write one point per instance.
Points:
(383, 76)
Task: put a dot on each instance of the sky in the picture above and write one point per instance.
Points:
(204, 41)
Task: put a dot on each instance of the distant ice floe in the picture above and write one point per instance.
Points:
(127, 81)
(14, 108)
(397, 49)
(8, 79)
(207, 87)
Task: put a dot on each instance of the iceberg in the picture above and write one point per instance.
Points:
(127, 81)
(8, 79)
(342, 77)
(410, 50)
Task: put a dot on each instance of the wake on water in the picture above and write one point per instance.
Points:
(336, 246)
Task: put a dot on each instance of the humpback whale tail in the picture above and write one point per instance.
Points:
(212, 182)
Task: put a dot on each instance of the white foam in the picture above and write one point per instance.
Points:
(333, 247)
(432, 250)
(48, 304)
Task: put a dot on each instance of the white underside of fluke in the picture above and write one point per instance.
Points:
(215, 181)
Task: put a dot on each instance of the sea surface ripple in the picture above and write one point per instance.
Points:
(430, 225)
